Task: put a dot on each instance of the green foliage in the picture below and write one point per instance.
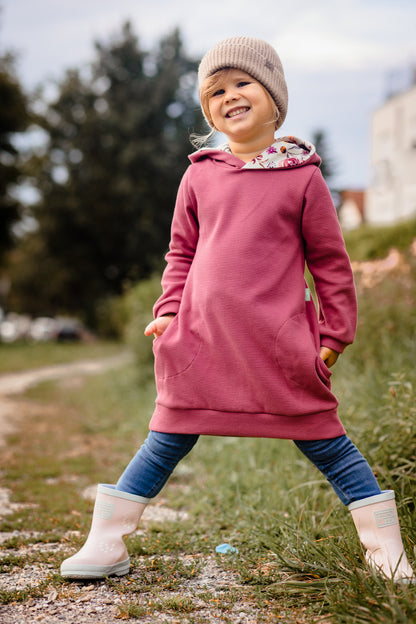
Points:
(117, 148)
(111, 317)
(369, 242)
(138, 303)
(319, 139)
(13, 118)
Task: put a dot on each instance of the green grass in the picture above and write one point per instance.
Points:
(297, 545)
(24, 355)
(299, 559)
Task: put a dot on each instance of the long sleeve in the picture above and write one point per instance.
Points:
(183, 243)
(329, 264)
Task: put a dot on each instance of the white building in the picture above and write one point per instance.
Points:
(351, 210)
(392, 194)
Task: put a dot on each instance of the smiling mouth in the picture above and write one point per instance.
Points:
(237, 111)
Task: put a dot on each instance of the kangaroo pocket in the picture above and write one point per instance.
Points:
(297, 356)
(175, 350)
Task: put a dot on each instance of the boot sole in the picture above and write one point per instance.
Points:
(85, 571)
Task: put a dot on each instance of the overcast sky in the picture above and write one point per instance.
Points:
(341, 57)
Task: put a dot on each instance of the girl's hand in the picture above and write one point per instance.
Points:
(329, 356)
(159, 325)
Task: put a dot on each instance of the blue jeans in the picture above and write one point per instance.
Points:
(337, 458)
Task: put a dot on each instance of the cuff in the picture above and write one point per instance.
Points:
(332, 343)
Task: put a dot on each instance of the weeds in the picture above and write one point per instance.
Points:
(10, 561)
(23, 595)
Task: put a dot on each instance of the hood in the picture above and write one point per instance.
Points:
(286, 152)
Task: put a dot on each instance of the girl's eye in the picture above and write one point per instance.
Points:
(221, 91)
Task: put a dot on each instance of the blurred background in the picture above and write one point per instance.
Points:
(97, 102)
(98, 99)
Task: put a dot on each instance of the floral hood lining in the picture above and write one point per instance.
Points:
(285, 152)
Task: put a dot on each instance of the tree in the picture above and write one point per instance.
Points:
(13, 118)
(327, 166)
(118, 145)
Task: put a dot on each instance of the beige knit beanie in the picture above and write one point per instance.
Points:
(254, 56)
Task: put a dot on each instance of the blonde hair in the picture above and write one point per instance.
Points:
(206, 90)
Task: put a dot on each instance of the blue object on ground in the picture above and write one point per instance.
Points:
(226, 549)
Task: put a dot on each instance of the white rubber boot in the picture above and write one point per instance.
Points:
(377, 525)
(104, 553)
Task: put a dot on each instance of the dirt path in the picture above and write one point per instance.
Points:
(16, 383)
(13, 411)
(13, 384)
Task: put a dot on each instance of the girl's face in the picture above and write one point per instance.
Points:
(241, 108)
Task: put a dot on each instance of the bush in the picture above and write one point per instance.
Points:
(138, 304)
(111, 317)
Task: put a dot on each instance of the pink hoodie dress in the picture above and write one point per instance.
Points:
(241, 356)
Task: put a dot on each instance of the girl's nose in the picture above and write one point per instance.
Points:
(230, 95)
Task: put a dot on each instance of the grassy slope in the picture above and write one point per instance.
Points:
(297, 546)
(371, 242)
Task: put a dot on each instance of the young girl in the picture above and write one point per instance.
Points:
(239, 348)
